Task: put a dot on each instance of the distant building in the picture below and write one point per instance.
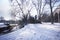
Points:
(57, 10)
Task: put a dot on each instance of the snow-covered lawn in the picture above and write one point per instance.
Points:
(45, 31)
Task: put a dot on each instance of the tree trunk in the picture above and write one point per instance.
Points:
(39, 10)
(51, 12)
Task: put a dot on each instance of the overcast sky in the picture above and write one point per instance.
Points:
(5, 6)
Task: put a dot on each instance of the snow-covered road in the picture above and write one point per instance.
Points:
(35, 32)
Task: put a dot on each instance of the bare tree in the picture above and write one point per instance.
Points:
(39, 7)
(51, 11)
(19, 8)
(52, 5)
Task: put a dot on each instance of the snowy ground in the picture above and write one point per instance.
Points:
(45, 31)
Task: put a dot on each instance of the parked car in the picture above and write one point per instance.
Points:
(5, 27)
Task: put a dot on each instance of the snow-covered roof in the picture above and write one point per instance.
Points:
(57, 10)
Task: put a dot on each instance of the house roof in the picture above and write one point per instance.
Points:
(57, 10)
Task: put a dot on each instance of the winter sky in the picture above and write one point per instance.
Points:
(5, 6)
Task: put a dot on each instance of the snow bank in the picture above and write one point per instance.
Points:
(2, 25)
(34, 32)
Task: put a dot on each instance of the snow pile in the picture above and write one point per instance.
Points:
(2, 25)
(34, 32)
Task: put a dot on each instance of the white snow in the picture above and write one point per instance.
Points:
(45, 31)
(2, 25)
